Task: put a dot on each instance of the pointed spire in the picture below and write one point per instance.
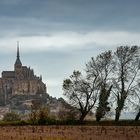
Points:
(18, 62)
(18, 49)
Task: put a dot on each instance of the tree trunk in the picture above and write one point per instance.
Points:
(137, 116)
(98, 118)
(117, 115)
(83, 115)
(99, 114)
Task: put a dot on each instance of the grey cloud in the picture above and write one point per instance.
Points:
(44, 16)
(47, 17)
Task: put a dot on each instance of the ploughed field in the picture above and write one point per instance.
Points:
(69, 132)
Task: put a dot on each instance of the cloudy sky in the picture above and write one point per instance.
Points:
(58, 36)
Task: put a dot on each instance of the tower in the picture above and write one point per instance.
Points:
(18, 64)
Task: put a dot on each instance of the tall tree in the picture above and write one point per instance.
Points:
(81, 92)
(135, 97)
(125, 75)
(138, 102)
(103, 67)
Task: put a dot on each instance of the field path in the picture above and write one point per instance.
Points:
(69, 132)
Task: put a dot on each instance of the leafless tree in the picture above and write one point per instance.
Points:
(102, 68)
(81, 92)
(134, 99)
(125, 75)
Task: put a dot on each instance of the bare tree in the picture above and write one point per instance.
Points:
(138, 103)
(81, 92)
(102, 67)
(134, 98)
(33, 116)
(125, 75)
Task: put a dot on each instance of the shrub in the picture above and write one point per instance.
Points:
(11, 116)
(42, 115)
(39, 116)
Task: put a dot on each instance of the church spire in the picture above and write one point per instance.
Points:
(18, 62)
(18, 49)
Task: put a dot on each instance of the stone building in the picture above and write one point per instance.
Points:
(21, 81)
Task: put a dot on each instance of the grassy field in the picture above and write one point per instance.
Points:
(69, 132)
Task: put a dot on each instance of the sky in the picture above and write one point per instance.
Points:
(59, 36)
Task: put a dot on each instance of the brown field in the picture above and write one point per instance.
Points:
(69, 132)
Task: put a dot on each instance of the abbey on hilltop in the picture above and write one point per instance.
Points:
(21, 81)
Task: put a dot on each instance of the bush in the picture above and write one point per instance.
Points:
(33, 117)
(39, 116)
(11, 116)
(42, 116)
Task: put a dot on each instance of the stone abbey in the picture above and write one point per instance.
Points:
(20, 81)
